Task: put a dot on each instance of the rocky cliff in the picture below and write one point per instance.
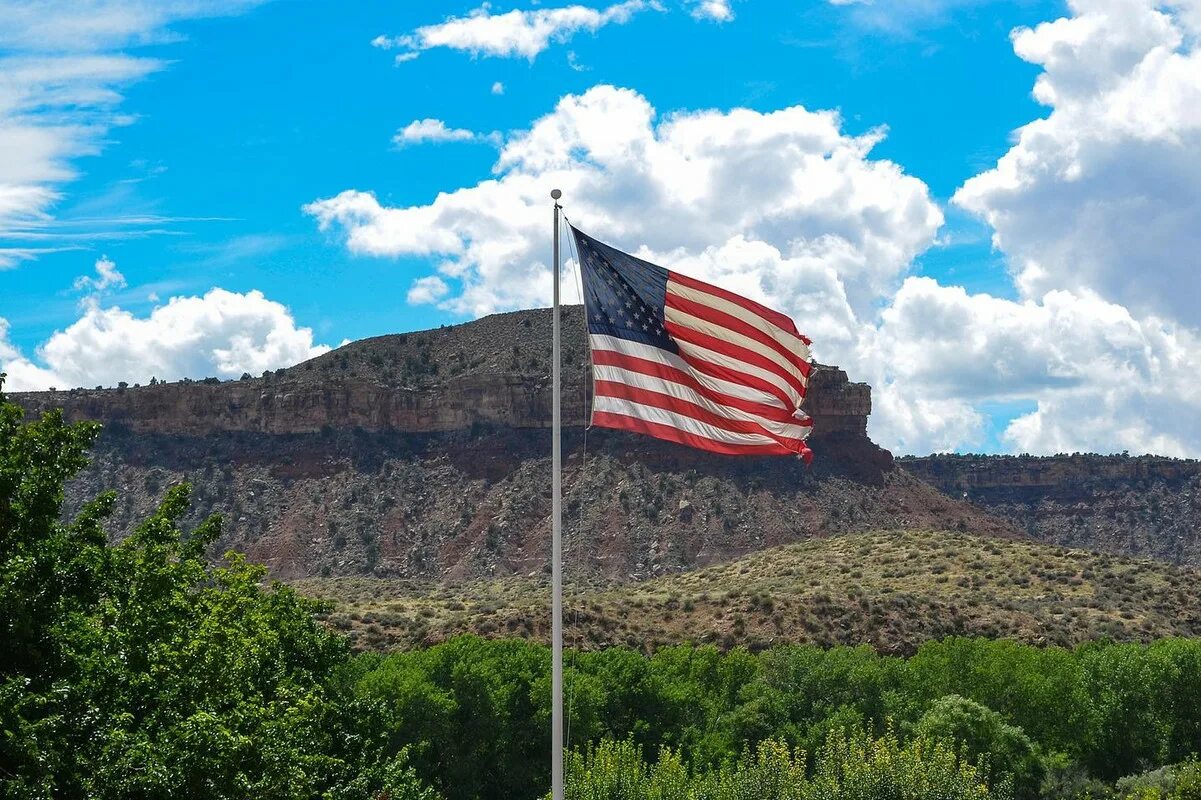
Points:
(495, 371)
(424, 455)
(1147, 506)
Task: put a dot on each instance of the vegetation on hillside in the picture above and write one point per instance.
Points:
(142, 670)
(892, 589)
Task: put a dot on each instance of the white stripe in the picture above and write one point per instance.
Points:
(785, 337)
(616, 405)
(717, 331)
(698, 353)
(681, 392)
(625, 347)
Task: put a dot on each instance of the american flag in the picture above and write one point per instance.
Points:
(682, 360)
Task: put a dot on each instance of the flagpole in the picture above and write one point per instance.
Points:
(556, 725)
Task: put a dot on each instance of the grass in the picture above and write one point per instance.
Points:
(891, 589)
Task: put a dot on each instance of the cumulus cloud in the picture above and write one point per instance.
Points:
(1102, 379)
(517, 33)
(716, 10)
(107, 277)
(220, 333)
(498, 88)
(789, 209)
(21, 374)
(63, 68)
(766, 199)
(429, 289)
(1104, 194)
(430, 130)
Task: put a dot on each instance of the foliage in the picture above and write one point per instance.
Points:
(1173, 782)
(1049, 721)
(139, 670)
(894, 589)
(983, 732)
(849, 766)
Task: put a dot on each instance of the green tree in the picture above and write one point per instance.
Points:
(138, 670)
(983, 732)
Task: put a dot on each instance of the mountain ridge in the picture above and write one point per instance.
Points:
(424, 455)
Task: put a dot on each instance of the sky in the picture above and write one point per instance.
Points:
(989, 210)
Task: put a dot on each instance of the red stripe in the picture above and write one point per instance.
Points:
(606, 419)
(719, 317)
(774, 317)
(736, 352)
(624, 391)
(655, 369)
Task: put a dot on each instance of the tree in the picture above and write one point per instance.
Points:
(140, 670)
(983, 732)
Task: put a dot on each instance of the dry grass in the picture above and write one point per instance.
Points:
(891, 589)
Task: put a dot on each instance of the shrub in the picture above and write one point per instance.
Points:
(850, 766)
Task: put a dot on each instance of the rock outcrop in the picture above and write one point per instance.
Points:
(425, 455)
(1146, 506)
(449, 379)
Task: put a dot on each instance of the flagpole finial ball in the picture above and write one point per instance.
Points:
(555, 194)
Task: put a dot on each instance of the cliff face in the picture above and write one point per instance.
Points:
(495, 371)
(1147, 506)
(425, 455)
(289, 403)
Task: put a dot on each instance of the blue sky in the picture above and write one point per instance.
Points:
(196, 176)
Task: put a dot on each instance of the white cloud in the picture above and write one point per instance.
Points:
(786, 187)
(90, 25)
(516, 33)
(220, 333)
(1102, 379)
(429, 289)
(21, 374)
(64, 67)
(1104, 194)
(498, 88)
(716, 10)
(430, 130)
(107, 277)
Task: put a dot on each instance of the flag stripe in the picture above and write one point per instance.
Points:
(657, 399)
(654, 371)
(628, 422)
(740, 357)
(774, 317)
(703, 320)
(733, 316)
(626, 353)
(611, 380)
(683, 423)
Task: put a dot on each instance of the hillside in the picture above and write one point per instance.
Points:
(476, 504)
(424, 456)
(1144, 506)
(892, 589)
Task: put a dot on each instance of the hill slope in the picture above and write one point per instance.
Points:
(423, 455)
(1145, 506)
(893, 589)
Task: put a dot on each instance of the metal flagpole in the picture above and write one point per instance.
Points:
(556, 724)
